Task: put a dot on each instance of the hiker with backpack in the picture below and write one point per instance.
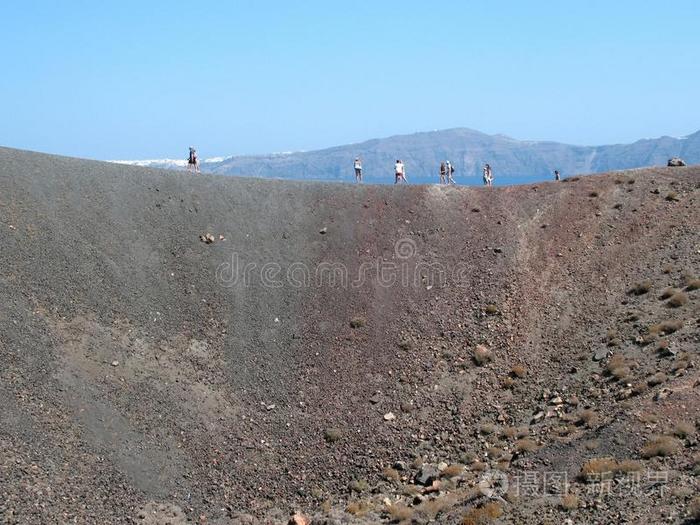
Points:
(399, 172)
(192, 162)
(358, 169)
(449, 169)
(443, 171)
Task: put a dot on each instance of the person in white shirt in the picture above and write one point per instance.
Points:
(358, 169)
(400, 172)
(449, 170)
(488, 176)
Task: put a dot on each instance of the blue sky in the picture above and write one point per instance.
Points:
(127, 79)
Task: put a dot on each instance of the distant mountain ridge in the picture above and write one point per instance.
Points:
(512, 160)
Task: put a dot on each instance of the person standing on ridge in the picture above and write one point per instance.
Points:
(358, 169)
(443, 171)
(488, 175)
(192, 162)
(400, 172)
(556, 175)
(449, 169)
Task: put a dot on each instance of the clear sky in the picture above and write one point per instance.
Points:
(145, 79)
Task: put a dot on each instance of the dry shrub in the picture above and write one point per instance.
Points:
(487, 429)
(494, 452)
(606, 468)
(621, 374)
(508, 382)
(358, 322)
(693, 284)
(410, 490)
(455, 469)
(662, 346)
(648, 417)
(598, 468)
(616, 362)
(359, 486)
(683, 429)
(433, 507)
(406, 344)
(491, 309)
(667, 268)
(478, 466)
(672, 197)
(391, 474)
(482, 355)
(641, 287)
(483, 515)
(629, 465)
(525, 445)
(668, 292)
(593, 194)
(661, 446)
(587, 417)
(639, 388)
(666, 327)
(592, 444)
(657, 379)
(398, 512)
(694, 509)
(518, 371)
(358, 508)
(509, 432)
(332, 435)
(682, 362)
(677, 300)
(612, 337)
(569, 502)
(503, 465)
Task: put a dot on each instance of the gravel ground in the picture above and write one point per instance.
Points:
(151, 377)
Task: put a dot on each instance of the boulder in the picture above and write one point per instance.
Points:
(676, 162)
(426, 475)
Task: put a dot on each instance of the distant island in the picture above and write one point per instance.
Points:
(513, 161)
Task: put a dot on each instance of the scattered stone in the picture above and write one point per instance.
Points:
(400, 466)
(498, 250)
(389, 416)
(299, 519)
(206, 238)
(323, 231)
(115, 363)
(600, 354)
(662, 394)
(434, 487)
(539, 416)
(376, 398)
(442, 466)
(270, 407)
(426, 475)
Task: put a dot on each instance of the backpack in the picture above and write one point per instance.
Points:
(452, 169)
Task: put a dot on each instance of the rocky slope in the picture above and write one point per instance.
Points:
(354, 354)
